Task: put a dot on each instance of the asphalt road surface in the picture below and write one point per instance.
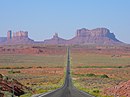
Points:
(67, 90)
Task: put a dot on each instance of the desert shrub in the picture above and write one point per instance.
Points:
(41, 91)
(99, 66)
(120, 67)
(59, 66)
(5, 78)
(10, 80)
(6, 68)
(7, 94)
(26, 95)
(29, 67)
(87, 75)
(91, 75)
(0, 87)
(39, 67)
(12, 71)
(17, 72)
(96, 91)
(18, 67)
(1, 76)
(104, 76)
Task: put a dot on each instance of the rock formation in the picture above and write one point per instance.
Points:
(20, 37)
(99, 36)
(6, 84)
(55, 40)
(9, 35)
(95, 36)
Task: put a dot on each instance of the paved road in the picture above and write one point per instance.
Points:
(67, 90)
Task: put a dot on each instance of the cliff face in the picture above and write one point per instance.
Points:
(95, 36)
(20, 37)
(20, 34)
(84, 36)
(99, 36)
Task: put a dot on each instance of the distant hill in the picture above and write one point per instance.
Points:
(95, 36)
(20, 40)
(84, 36)
(55, 40)
(20, 37)
(98, 36)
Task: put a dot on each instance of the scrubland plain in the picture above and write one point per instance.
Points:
(93, 68)
(40, 72)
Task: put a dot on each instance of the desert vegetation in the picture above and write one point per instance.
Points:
(39, 72)
(95, 70)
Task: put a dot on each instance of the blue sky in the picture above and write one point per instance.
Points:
(42, 18)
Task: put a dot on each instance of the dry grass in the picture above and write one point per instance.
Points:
(42, 73)
(114, 64)
(17, 60)
(46, 72)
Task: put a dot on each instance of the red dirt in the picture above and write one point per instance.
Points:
(43, 71)
(121, 90)
(33, 50)
(115, 51)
